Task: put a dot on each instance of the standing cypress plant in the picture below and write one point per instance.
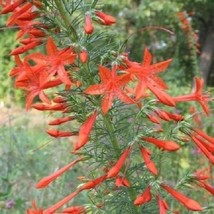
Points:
(128, 121)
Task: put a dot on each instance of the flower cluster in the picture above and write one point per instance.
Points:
(102, 99)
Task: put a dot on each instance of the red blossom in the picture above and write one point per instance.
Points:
(34, 210)
(153, 119)
(88, 27)
(45, 107)
(59, 121)
(44, 182)
(122, 181)
(85, 130)
(74, 210)
(207, 187)
(35, 81)
(14, 18)
(111, 86)
(202, 174)
(145, 197)
(114, 171)
(162, 144)
(105, 18)
(146, 73)
(146, 154)
(25, 48)
(197, 95)
(203, 148)
(11, 6)
(93, 183)
(59, 204)
(55, 60)
(187, 202)
(57, 133)
(84, 56)
(163, 206)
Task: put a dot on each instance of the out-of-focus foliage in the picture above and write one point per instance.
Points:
(136, 17)
(7, 43)
(25, 159)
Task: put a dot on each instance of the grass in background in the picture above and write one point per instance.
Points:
(24, 161)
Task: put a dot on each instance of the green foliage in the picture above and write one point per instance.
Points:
(139, 19)
(27, 155)
(7, 42)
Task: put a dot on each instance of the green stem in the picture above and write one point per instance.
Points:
(66, 19)
(110, 129)
(94, 3)
(116, 147)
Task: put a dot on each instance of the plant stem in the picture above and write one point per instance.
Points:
(94, 3)
(66, 19)
(110, 128)
(116, 147)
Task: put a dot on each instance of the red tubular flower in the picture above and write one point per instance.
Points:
(165, 145)
(60, 121)
(57, 133)
(28, 16)
(75, 210)
(153, 119)
(36, 32)
(207, 187)
(55, 60)
(35, 210)
(121, 181)
(202, 174)
(163, 206)
(31, 28)
(146, 154)
(196, 117)
(105, 18)
(44, 107)
(175, 117)
(11, 6)
(34, 81)
(84, 56)
(19, 69)
(111, 86)
(59, 204)
(187, 202)
(145, 197)
(85, 130)
(206, 152)
(205, 136)
(93, 183)
(44, 182)
(29, 40)
(163, 115)
(146, 73)
(59, 99)
(161, 95)
(114, 171)
(21, 10)
(88, 27)
(25, 48)
(197, 95)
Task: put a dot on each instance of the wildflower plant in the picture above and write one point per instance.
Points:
(128, 119)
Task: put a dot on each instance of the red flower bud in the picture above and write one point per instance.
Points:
(105, 18)
(88, 28)
(84, 56)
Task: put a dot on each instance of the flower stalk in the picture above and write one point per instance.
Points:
(67, 19)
